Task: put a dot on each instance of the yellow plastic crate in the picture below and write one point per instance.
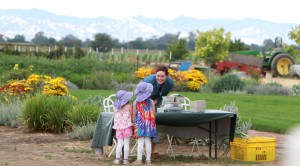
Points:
(254, 149)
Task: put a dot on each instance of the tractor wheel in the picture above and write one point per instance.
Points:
(281, 64)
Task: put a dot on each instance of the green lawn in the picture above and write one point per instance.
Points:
(266, 113)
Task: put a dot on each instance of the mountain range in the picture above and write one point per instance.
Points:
(29, 22)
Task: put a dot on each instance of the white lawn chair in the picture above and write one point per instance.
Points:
(108, 105)
(186, 103)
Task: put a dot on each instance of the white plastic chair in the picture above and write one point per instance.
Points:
(108, 105)
(186, 103)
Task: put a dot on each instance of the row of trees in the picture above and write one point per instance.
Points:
(212, 45)
(105, 42)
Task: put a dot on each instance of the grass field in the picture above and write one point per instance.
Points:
(266, 113)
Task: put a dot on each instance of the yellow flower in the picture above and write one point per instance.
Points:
(16, 67)
(143, 72)
(192, 78)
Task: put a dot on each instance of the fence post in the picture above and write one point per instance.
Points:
(170, 58)
(137, 59)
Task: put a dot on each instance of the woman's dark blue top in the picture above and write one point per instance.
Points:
(167, 87)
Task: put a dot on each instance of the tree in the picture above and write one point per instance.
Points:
(291, 50)
(102, 41)
(179, 50)
(212, 45)
(268, 45)
(191, 41)
(52, 40)
(40, 38)
(138, 43)
(86, 43)
(237, 45)
(164, 41)
(18, 39)
(70, 41)
(294, 34)
(254, 47)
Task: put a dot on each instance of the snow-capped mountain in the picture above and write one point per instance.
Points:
(29, 22)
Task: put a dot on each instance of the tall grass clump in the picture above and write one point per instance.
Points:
(47, 113)
(82, 114)
(10, 113)
(228, 82)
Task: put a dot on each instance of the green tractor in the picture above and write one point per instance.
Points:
(279, 62)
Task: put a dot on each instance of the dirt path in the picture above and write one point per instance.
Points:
(27, 149)
(21, 148)
(286, 82)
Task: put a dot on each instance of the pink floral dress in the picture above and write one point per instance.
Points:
(122, 118)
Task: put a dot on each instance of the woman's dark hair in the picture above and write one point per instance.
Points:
(162, 68)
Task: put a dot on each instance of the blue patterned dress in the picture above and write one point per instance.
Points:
(144, 125)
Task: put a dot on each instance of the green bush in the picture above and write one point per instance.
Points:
(75, 78)
(82, 114)
(207, 88)
(228, 82)
(47, 113)
(250, 86)
(125, 78)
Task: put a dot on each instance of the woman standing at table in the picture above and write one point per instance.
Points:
(162, 85)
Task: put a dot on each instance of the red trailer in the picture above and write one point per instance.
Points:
(240, 63)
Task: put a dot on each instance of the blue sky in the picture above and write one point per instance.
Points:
(280, 11)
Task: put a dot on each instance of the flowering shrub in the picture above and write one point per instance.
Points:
(33, 85)
(56, 87)
(143, 72)
(13, 90)
(192, 78)
(35, 82)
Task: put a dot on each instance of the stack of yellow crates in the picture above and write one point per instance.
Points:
(254, 149)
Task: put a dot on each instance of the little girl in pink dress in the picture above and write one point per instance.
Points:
(123, 124)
